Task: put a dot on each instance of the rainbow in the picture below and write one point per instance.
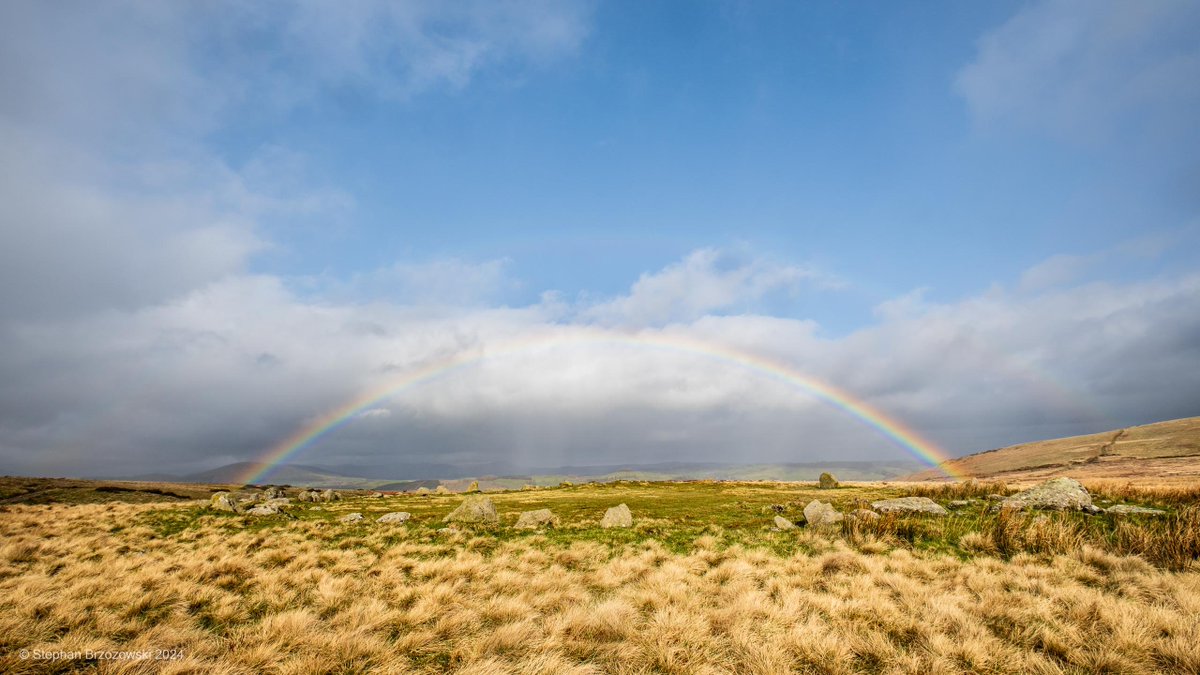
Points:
(320, 426)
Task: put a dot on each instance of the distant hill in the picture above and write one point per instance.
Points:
(312, 476)
(287, 474)
(1164, 451)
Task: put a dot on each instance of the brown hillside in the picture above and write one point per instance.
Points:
(1165, 451)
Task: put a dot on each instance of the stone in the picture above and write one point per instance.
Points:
(351, 518)
(264, 510)
(442, 490)
(864, 514)
(473, 487)
(617, 516)
(395, 517)
(423, 490)
(959, 503)
(1056, 494)
(820, 514)
(909, 505)
(1131, 510)
(277, 502)
(532, 520)
(330, 496)
(476, 509)
(784, 524)
(222, 501)
(774, 508)
(273, 493)
(827, 481)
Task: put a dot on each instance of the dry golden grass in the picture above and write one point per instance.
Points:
(317, 596)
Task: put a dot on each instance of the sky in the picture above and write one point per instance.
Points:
(220, 221)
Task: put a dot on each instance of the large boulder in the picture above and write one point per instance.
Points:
(395, 517)
(477, 509)
(223, 501)
(1056, 494)
(532, 520)
(820, 514)
(273, 493)
(330, 496)
(827, 481)
(909, 505)
(617, 516)
(473, 487)
(784, 524)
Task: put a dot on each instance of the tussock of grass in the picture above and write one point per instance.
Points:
(700, 584)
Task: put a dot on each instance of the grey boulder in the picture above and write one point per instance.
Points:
(532, 520)
(1056, 494)
(617, 516)
(909, 505)
(477, 509)
(820, 514)
(395, 517)
(784, 524)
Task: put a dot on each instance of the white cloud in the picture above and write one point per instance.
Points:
(706, 280)
(226, 371)
(1079, 69)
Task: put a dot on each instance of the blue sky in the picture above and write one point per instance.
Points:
(981, 218)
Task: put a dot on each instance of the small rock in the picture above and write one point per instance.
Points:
(222, 501)
(827, 481)
(477, 509)
(784, 524)
(865, 514)
(395, 517)
(820, 514)
(617, 516)
(351, 518)
(959, 503)
(774, 508)
(1130, 509)
(278, 501)
(909, 505)
(532, 520)
(264, 510)
(1056, 494)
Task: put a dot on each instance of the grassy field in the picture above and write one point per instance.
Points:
(701, 583)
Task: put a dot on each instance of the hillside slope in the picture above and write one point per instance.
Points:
(1164, 451)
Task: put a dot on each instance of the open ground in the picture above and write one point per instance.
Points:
(702, 582)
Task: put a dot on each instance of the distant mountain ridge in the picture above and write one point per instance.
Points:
(315, 476)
